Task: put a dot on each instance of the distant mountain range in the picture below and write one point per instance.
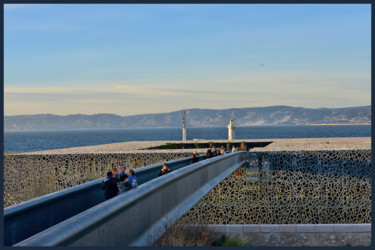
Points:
(274, 115)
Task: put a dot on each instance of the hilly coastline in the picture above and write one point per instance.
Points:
(274, 115)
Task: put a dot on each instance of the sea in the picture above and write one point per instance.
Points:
(46, 140)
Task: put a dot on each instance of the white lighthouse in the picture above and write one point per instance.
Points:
(231, 130)
(183, 125)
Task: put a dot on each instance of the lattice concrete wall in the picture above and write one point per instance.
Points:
(291, 188)
(345, 162)
(30, 176)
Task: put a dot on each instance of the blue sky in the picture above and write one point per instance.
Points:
(131, 59)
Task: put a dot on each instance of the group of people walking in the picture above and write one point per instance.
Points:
(214, 152)
(211, 152)
(117, 181)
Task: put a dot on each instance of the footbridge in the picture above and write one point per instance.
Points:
(79, 216)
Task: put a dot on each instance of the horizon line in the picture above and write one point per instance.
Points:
(187, 109)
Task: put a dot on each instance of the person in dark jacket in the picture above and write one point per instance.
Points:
(213, 152)
(195, 157)
(218, 152)
(208, 154)
(121, 171)
(164, 170)
(121, 183)
(109, 186)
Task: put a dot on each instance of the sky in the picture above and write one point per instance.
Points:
(129, 59)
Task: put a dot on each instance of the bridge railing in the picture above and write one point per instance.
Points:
(139, 216)
(31, 217)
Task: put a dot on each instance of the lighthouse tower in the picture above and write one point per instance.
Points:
(184, 125)
(231, 130)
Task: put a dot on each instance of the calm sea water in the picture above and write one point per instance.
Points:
(45, 140)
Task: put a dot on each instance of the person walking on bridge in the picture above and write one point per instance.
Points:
(121, 183)
(121, 171)
(195, 157)
(164, 170)
(109, 186)
(208, 154)
(132, 180)
(218, 152)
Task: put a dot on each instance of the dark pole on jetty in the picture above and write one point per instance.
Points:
(183, 125)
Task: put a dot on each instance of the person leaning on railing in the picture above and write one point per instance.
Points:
(121, 171)
(132, 180)
(121, 183)
(195, 157)
(127, 181)
(208, 154)
(164, 170)
(109, 185)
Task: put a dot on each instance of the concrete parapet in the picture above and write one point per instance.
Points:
(350, 228)
(306, 228)
(297, 234)
(325, 228)
(269, 228)
(291, 228)
(251, 228)
(237, 229)
(218, 228)
(287, 228)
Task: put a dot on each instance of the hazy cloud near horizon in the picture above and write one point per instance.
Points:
(140, 59)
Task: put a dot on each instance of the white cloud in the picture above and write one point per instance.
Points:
(98, 101)
(155, 96)
(45, 90)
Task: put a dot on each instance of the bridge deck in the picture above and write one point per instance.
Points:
(26, 219)
(148, 208)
